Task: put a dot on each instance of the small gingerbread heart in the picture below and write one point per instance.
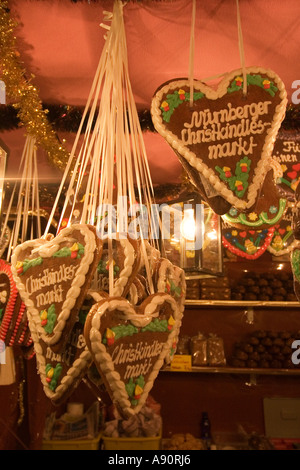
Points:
(129, 345)
(53, 277)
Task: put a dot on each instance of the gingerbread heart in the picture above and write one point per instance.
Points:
(226, 136)
(249, 244)
(129, 345)
(283, 240)
(61, 372)
(53, 277)
(14, 329)
(125, 259)
(287, 153)
(269, 210)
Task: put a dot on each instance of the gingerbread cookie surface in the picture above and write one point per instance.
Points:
(226, 136)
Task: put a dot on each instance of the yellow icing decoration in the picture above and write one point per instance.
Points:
(50, 373)
(109, 333)
(74, 247)
(138, 390)
(253, 216)
(171, 321)
(44, 315)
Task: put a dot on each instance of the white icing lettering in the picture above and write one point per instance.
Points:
(52, 296)
(219, 126)
(142, 351)
(291, 146)
(50, 277)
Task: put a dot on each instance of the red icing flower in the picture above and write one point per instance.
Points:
(266, 84)
(181, 94)
(227, 171)
(165, 106)
(244, 167)
(239, 81)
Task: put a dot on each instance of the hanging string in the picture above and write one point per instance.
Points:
(192, 54)
(111, 161)
(241, 48)
(28, 206)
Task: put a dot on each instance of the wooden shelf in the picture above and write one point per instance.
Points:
(235, 370)
(240, 303)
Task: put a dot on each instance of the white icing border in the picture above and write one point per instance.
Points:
(122, 280)
(75, 288)
(129, 259)
(195, 161)
(177, 274)
(103, 359)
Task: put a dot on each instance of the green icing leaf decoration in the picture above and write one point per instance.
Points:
(237, 182)
(31, 263)
(130, 386)
(258, 80)
(173, 100)
(124, 330)
(51, 319)
(156, 325)
(66, 252)
(53, 381)
(295, 260)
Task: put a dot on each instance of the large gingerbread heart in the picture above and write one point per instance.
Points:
(269, 210)
(125, 262)
(287, 153)
(226, 136)
(53, 277)
(14, 329)
(129, 345)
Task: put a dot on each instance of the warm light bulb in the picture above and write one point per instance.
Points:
(188, 225)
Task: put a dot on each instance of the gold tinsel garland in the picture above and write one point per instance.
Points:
(24, 94)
